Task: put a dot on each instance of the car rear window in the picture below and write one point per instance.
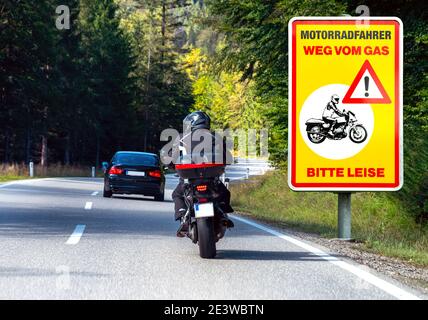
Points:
(136, 159)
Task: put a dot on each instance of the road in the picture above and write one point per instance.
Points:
(60, 239)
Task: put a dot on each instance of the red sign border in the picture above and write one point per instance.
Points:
(345, 186)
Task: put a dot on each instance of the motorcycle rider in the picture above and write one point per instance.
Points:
(331, 113)
(198, 121)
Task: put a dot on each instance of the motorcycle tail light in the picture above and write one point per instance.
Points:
(201, 188)
(202, 200)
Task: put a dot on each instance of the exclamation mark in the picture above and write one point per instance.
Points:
(366, 83)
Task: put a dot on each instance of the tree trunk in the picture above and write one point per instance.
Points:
(67, 150)
(28, 143)
(146, 114)
(97, 156)
(163, 31)
(7, 146)
(44, 155)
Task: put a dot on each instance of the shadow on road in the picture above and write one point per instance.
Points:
(136, 197)
(267, 255)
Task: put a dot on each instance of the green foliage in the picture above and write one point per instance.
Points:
(231, 102)
(164, 90)
(89, 90)
(255, 44)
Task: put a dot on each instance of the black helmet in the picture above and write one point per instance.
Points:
(198, 120)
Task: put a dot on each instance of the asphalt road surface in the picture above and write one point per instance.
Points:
(60, 239)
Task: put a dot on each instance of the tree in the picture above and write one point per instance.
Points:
(106, 65)
(255, 44)
(164, 90)
(28, 81)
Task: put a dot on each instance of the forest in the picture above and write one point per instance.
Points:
(125, 70)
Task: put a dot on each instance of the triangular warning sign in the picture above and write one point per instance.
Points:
(366, 87)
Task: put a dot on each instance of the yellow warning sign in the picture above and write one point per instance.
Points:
(345, 104)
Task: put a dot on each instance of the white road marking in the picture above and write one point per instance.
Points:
(88, 205)
(77, 234)
(94, 193)
(6, 184)
(381, 284)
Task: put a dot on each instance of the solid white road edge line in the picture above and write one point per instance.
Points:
(381, 284)
(88, 205)
(94, 193)
(77, 234)
(6, 184)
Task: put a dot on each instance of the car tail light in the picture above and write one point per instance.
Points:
(155, 174)
(115, 170)
(201, 188)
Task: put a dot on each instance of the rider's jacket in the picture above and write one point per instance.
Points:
(331, 111)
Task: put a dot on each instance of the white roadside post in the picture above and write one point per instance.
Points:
(93, 172)
(247, 175)
(31, 169)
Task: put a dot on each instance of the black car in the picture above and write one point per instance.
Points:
(132, 172)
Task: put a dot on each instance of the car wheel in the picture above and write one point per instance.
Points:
(160, 197)
(107, 194)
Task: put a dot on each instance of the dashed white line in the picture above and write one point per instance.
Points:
(94, 193)
(88, 205)
(77, 234)
(367, 276)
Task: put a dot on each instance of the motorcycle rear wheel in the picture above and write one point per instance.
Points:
(315, 136)
(206, 238)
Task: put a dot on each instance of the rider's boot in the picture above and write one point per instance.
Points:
(183, 229)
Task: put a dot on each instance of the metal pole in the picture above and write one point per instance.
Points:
(93, 172)
(344, 217)
(31, 169)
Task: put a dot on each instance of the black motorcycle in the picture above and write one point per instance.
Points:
(318, 130)
(206, 214)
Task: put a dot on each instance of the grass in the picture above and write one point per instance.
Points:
(15, 171)
(379, 220)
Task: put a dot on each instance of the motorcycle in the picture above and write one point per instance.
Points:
(206, 214)
(317, 129)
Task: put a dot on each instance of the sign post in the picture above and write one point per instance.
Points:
(345, 107)
(344, 215)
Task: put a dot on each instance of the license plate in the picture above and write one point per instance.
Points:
(136, 173)
(204, 210)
